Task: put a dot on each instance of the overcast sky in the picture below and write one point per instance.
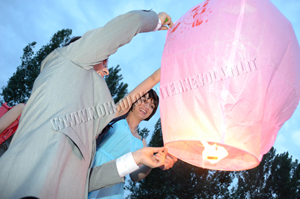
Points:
(22, 22)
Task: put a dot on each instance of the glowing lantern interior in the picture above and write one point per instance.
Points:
(229, 80)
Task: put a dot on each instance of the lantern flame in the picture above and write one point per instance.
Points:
(213, 153)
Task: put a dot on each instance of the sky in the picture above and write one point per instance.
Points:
(22, 22)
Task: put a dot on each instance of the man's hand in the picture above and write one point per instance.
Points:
(165, 20)
(169, 162)
(150, 156)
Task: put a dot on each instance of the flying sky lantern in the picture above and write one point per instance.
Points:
(230, 78)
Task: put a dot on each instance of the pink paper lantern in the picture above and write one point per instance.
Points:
(230, 78)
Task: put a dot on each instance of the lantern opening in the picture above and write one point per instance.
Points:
(213, 153)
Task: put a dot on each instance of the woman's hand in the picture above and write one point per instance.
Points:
(169, 162)
(160, 157)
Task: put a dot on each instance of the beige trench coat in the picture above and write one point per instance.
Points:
(52, 151)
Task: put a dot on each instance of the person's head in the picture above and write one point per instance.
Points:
(146, 106)
(100, 68)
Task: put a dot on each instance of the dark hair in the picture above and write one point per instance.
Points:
(152, 95)
(72, 40)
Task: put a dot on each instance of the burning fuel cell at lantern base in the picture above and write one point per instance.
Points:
(229, 80)
(213, 153)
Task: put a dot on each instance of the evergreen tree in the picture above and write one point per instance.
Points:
(277, 176)
(182, 181)
(279, 182)
(143, 133)
(295, 181)
(19, 86)
(251, 182)
(117, 89)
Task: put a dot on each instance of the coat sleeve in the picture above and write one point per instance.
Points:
(104, 175)
(98, 44)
